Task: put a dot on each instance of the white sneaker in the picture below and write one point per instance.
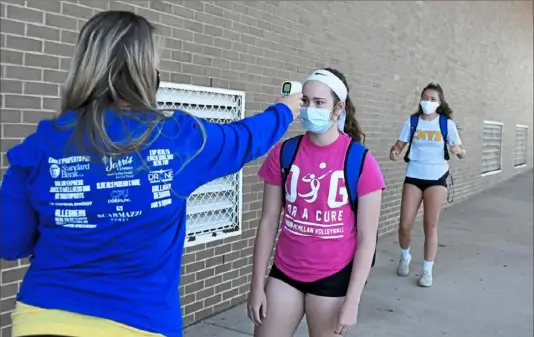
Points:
(426, 279)
(403, 268)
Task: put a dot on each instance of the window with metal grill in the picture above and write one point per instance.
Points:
(213, 210)
(492, 138)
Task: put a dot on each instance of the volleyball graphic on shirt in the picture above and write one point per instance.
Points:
(314, 201)
(316, 180)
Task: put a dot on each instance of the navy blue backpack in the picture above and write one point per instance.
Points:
(353, 169)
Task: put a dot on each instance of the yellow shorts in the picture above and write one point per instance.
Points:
(30, 320)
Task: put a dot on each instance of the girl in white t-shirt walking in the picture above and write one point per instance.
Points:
(430, 134)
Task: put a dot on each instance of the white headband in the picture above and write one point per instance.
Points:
(337, 86)
(332, 81)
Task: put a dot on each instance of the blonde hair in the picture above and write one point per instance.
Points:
(114, 64)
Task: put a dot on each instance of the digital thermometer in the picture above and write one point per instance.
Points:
(291, 87)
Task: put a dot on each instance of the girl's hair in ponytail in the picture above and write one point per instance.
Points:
(352, 126)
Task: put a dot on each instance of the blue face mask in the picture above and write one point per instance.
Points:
(315, 120)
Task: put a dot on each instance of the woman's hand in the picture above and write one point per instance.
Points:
(394, 154)
(396, 150)
(348, 316)
(257, 305)
(457, 150)
(294, 102)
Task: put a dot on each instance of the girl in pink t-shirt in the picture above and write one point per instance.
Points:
(324, 252)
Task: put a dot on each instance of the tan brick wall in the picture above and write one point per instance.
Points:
(480, 52)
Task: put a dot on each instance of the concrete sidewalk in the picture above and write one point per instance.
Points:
(483, 277)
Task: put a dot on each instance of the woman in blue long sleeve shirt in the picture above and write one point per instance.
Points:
(97, 197)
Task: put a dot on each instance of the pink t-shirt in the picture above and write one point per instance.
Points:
(318, 236)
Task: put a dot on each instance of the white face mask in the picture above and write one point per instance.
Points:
(429, 107)
(318, 120)
(315, 120)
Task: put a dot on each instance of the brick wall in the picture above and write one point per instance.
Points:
(480, 52)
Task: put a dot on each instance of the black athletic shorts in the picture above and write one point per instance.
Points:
(331, 286)
(424, 184)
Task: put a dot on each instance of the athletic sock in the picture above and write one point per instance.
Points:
(405, 253)
(427, 266)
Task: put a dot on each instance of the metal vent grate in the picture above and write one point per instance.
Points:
(520, 145)
(492, 147)
(213, 210)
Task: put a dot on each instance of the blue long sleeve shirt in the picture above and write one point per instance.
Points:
(105, 237)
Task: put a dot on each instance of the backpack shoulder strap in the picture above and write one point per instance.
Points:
(414, 120)
(354, 161)
(444, 127)
(353, 169)
(288, 152)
